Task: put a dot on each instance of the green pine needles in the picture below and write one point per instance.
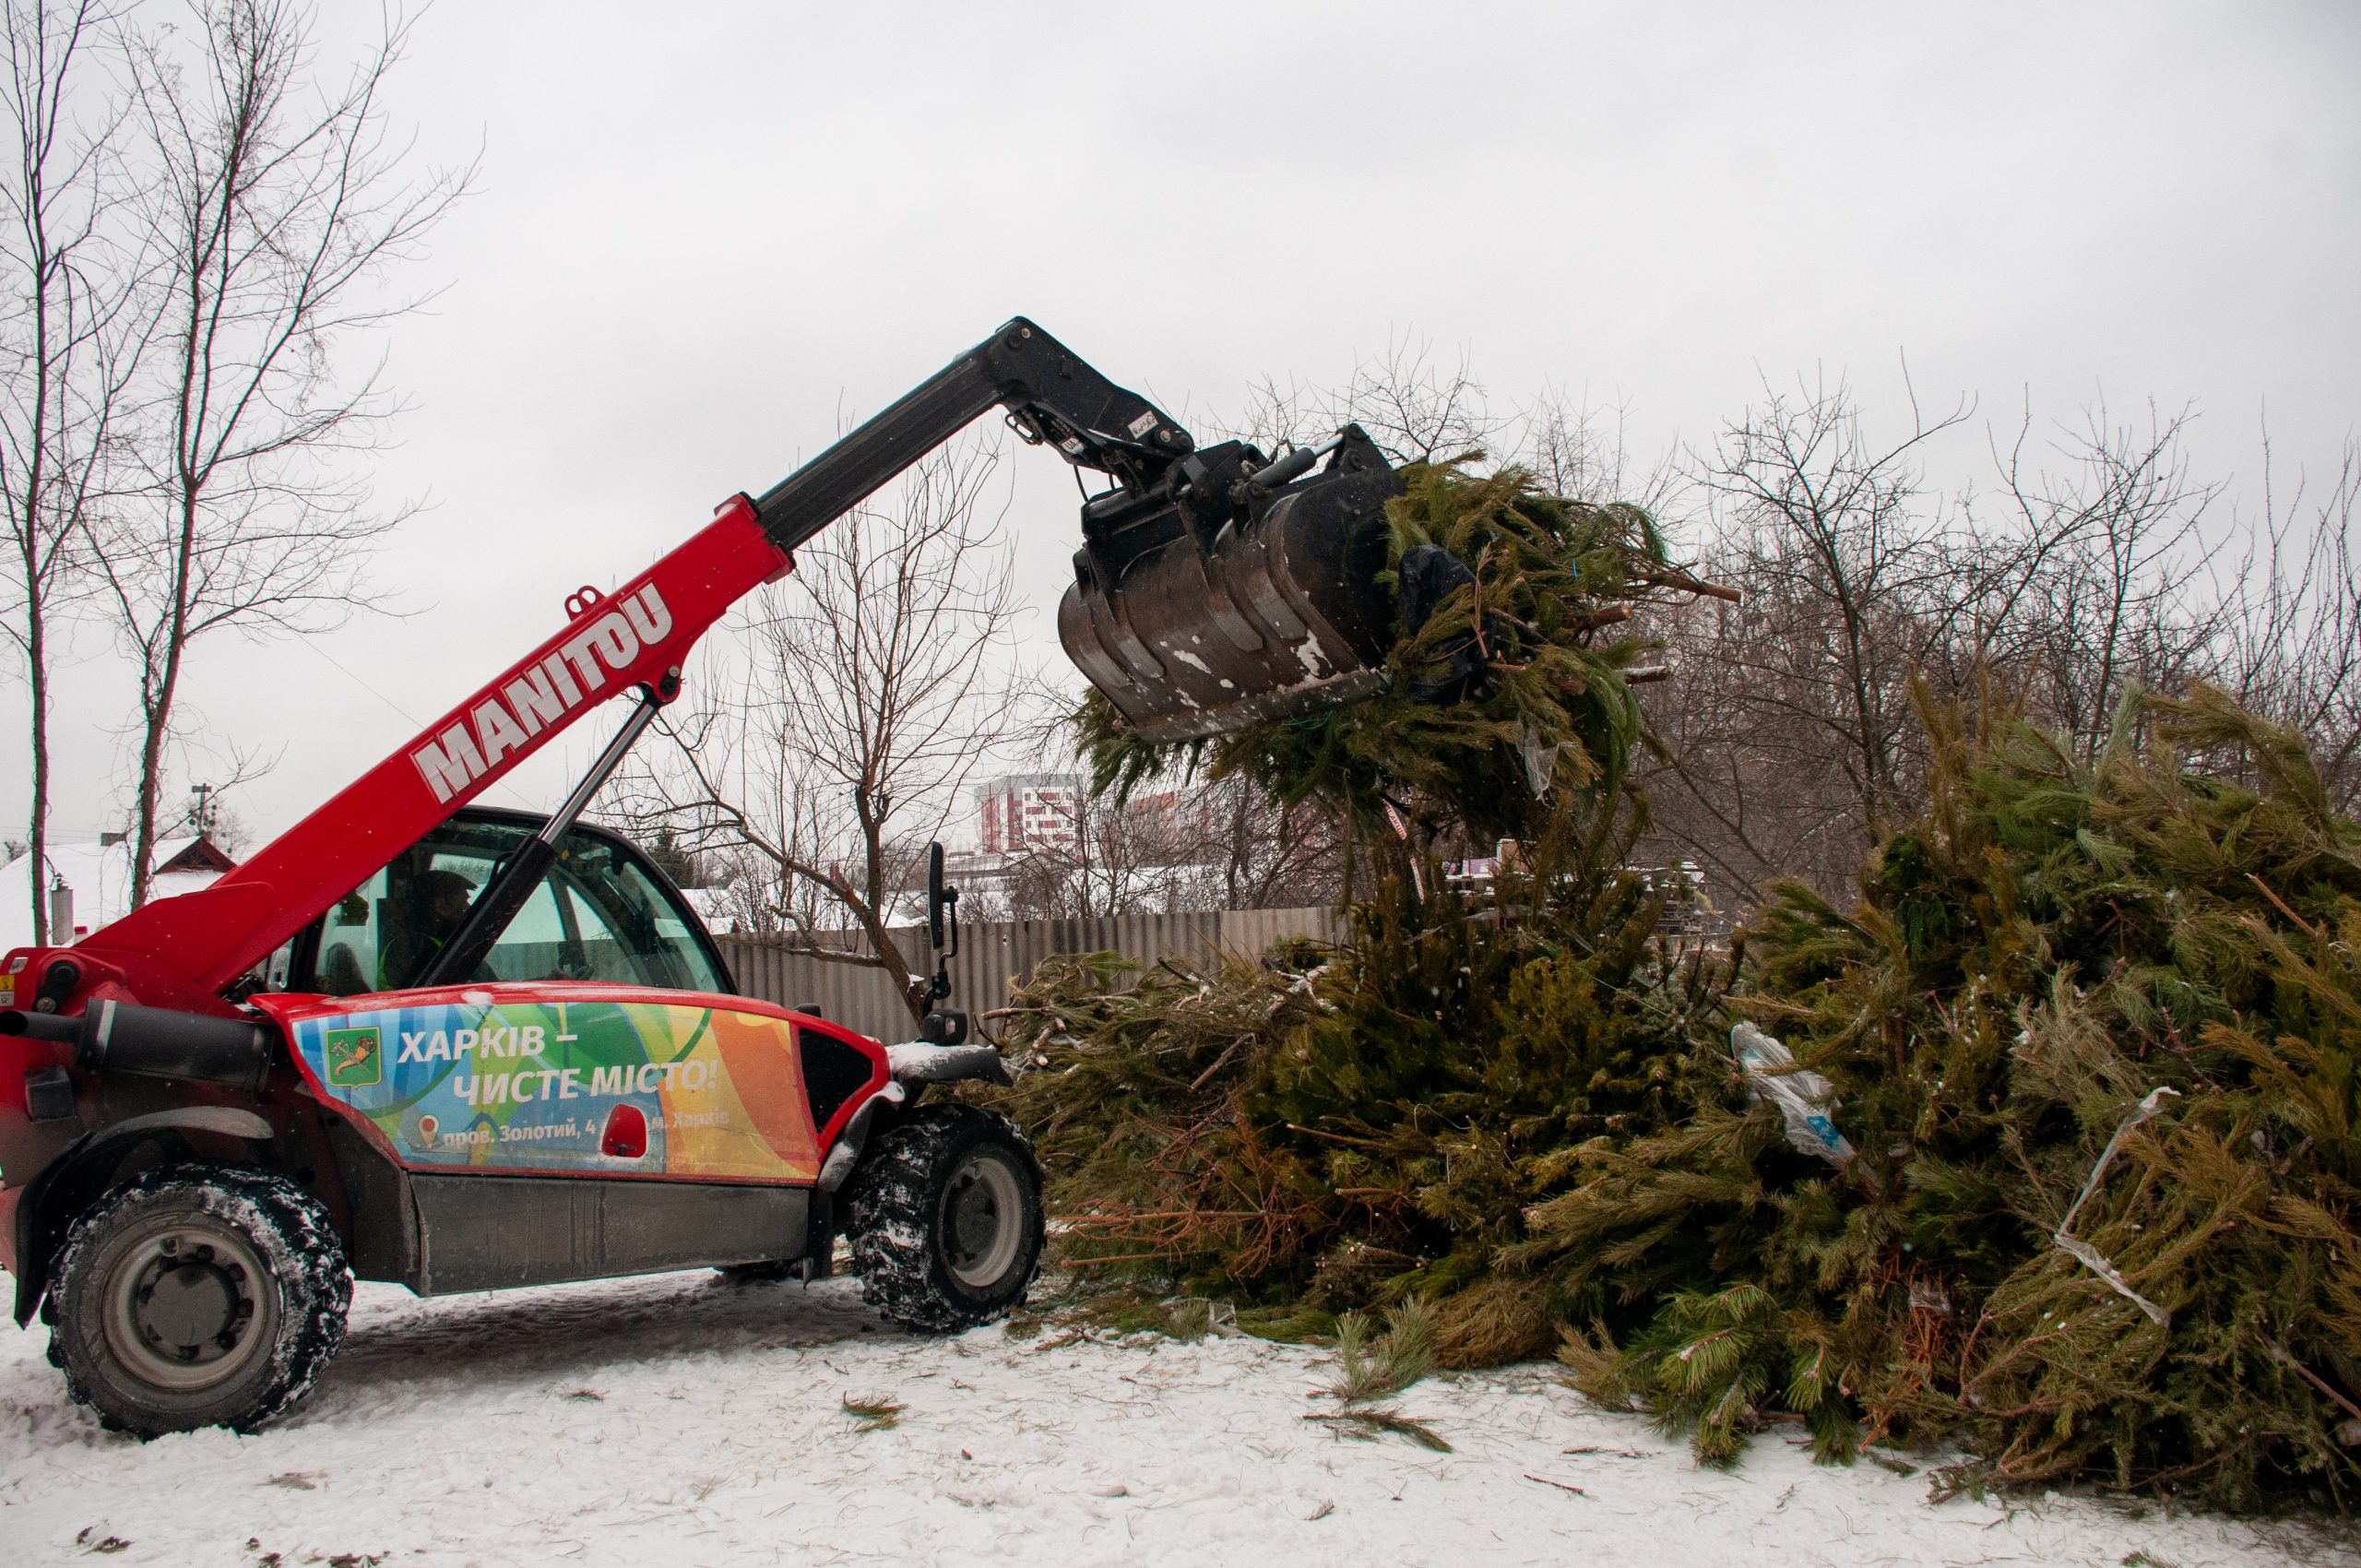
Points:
(1523, 1113)
(1547, 618)
(2050, 944)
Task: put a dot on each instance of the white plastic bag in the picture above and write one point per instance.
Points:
(2081, 1251)
(1805, 1099)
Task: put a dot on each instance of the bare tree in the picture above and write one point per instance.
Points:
(2098, 592)
(1824, 520)
(1272, 856)
(867, 689)
(2078, 576)
(1197, 845)
(278, 204)
(1584, 450)
(1095, 856)
(68, 339)
(1416, 408)
(1787, 716)
(2292, 621)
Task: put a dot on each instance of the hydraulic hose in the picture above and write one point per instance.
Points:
(156, 1042)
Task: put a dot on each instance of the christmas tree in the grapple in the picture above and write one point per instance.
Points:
(1507, 697)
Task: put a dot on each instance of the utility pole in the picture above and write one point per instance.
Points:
(201, 815)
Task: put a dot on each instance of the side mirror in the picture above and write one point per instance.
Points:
(942, 922)
(939, 898)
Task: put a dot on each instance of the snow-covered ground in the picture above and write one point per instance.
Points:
(681, 1420)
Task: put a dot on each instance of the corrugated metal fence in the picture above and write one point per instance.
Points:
(992, 956)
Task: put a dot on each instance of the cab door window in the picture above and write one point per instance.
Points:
(628, 931)
(542, 941)
(348, 955)
(382, 935)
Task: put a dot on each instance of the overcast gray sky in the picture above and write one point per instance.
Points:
(703, 232)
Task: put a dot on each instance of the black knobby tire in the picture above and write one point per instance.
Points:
(946, 1219)
(197, 1296)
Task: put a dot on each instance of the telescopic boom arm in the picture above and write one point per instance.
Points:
(181, 952)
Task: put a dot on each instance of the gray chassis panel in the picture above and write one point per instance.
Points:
(489, 1232)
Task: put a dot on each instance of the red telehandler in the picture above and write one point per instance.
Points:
(418, 1040)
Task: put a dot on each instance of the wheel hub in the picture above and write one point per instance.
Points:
(184, 1308)
(981, 1220)
(191, 1307)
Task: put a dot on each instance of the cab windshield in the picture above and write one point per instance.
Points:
(596, 915)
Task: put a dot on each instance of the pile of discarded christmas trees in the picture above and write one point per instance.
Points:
(2060, 1178)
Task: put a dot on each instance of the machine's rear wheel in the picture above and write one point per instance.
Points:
(946, 1219)
(198, 1295)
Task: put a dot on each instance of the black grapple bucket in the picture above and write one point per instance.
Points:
(1239, 591)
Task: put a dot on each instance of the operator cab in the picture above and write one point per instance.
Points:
(603, 911)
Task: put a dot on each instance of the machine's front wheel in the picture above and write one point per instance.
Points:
(198, 1295)
(946, 1219)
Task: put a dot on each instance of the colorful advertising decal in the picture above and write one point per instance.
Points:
(490, 1082)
